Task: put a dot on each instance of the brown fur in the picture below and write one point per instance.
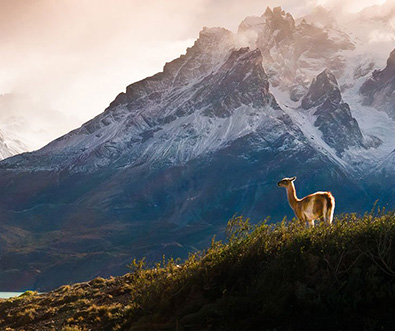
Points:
(312, 207)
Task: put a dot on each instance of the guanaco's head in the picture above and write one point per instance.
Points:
(285, 182)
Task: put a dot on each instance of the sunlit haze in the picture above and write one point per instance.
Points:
(64, 61)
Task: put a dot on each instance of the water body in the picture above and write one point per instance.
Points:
(6, 295)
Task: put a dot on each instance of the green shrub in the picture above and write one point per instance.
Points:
(281, 276)
(268, 276)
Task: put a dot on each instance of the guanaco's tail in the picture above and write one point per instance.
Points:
(330, 207)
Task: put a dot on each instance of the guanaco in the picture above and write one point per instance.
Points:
(312, 207)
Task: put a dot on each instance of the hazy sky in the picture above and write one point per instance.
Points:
(72, 57)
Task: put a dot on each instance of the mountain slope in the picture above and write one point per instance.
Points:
(333, 116)
(163, 194)
(177, 154)
(379, 89)
(295, 53)
(10, 145)
(160, 106)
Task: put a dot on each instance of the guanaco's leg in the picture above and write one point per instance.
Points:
(310, 223)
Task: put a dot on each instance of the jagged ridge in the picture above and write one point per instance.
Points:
(333, 116)
(379, 89)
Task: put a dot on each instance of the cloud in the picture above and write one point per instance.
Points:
(348, 6)
(75, 56)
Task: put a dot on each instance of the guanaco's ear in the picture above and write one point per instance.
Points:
(293, 178)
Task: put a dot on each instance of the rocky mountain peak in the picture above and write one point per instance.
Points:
(268, 12)
(333, 117)
(279, 23)
(391, 60)
(214, 39)
(241, 81)
(270, 20)
(184, 106)
(267, 30)
(294, 53)
(379, 89)
(212, 47)
(323, 87)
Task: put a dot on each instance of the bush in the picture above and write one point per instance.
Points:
(268, 276)
(281, 276)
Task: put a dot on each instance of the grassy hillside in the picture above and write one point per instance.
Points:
(280, 276)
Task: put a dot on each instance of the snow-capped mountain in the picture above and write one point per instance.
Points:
(10, 145)
(295, 53)
(379, 89)
(175, 155)
(333, 116)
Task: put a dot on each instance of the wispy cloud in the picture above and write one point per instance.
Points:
(75, 56)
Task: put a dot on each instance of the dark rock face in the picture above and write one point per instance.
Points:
(340, 130)
(292, 52)
(324, 87)
(241, 81)
(379, 90)
(279, 25)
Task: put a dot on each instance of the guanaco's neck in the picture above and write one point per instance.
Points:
(291, 194)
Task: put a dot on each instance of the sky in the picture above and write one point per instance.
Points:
(64, 61)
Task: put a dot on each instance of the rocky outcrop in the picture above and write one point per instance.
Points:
(294, 53)
(323, 87)
(379, 89)
(333, 116)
